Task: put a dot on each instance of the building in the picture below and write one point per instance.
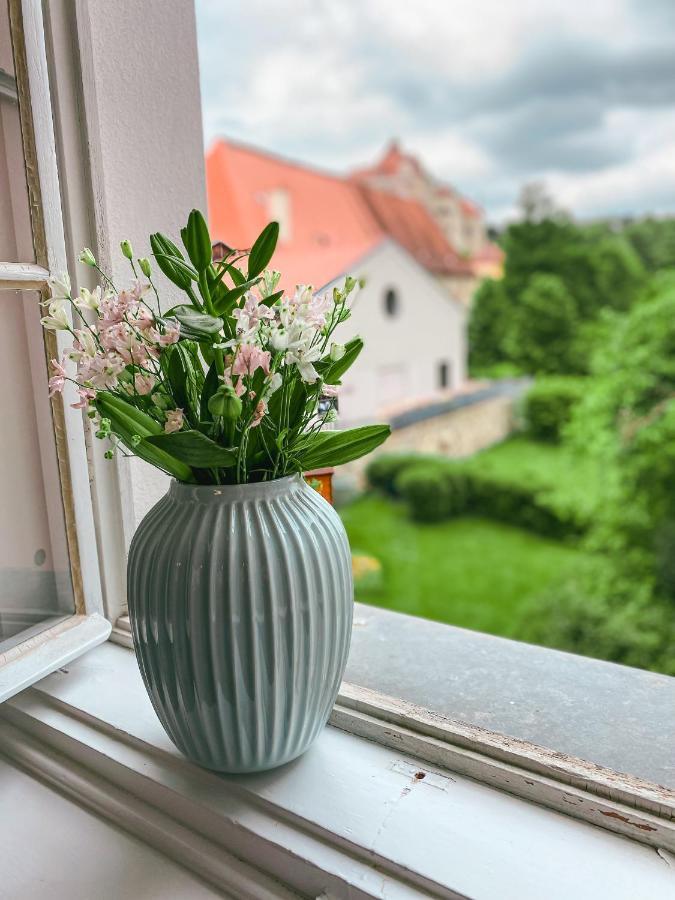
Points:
(408, 313)
(460, 219)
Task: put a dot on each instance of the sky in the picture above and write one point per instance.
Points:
(489, 94)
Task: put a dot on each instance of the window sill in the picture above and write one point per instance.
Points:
(350, 818)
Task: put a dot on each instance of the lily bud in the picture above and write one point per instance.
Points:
(144, 264)
(337, 351)
(127, 249)
(87, 257)
(225, 403)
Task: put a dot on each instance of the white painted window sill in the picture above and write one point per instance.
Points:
(350, 818)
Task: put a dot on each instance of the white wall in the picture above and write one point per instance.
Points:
(143, 125)
(402, 353)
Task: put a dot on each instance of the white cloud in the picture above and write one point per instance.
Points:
(330, 83)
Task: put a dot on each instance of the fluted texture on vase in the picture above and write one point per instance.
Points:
(240, 600)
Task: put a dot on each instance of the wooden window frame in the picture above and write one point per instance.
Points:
(43, 652)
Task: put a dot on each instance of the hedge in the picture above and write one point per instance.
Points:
(437, 488)
(548, 405)
(382, 470)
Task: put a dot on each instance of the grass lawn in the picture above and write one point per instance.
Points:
(469, 572)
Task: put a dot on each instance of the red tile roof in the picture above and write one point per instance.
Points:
(333, 221)
(409, 223)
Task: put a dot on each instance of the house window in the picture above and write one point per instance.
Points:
(444, 374)
(391, 303)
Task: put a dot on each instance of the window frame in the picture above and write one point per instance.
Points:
(41, 653)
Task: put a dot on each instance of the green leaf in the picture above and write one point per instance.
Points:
(236, 275)
(179, 264)
(335, 370)
(271, 299)
(164, 251)
(262, 250)
(195, 448)
(126, 422)
(195, 325)
(334, 448)
(226, 302)
(211, 385)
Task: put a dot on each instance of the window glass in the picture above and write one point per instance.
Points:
(391, 302)
(16, 242)
(35, 583)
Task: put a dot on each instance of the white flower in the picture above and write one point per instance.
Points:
(337, 351)
(60, 287)
(272, 383)
(57, 320)
(270, 282)
(303, 359)
(89, 299)
(85, 342)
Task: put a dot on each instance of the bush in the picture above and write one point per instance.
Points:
(382, 471)
(433, 490)
(548, 405)
(600, 613)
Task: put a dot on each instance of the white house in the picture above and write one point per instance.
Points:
(330, 227)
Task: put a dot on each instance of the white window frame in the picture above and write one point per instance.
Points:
(54, 646)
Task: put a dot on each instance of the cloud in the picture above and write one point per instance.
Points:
(488, 94)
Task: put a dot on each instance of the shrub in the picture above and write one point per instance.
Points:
(434, 490)
(382, 471)
(548, 405)
(600, 613)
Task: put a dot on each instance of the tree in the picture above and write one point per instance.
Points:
(487, 325)
(543, 325)
(537, 205)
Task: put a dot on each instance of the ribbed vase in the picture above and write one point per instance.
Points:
(240, 600)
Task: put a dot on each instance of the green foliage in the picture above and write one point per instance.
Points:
(382, 470)
(596, 611)
(437, 488)
(433, 491)
(334, 448)
(548, 405)
(490, 314)
(654, 242)
(558, 278)
(263, 249)
(195, 449)
(543, 326)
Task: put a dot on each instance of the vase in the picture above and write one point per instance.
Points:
(241, 601)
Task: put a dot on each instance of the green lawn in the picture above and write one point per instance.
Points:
(469, 572)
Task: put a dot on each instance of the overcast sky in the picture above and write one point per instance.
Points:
(488, 93)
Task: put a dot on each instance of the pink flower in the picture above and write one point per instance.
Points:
(329, 390)
(101, 371)
(58, 379)
(144, 383)
(174, 421)
(86, 396)
(171, 334)
(249, 358)
(260, 411)
(250, 314)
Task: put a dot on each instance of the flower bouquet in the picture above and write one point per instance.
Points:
(223, 389)
(239, 579)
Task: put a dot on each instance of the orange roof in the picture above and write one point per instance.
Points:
(490, 252)
(469, 208)
(330, 228)
(333, 221)
(409, 223)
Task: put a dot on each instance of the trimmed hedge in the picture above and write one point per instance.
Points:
(548, 405)
(437, 489)
(382, 471)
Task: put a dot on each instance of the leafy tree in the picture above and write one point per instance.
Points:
(490, 312)
(653, 241)
(543, 325)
